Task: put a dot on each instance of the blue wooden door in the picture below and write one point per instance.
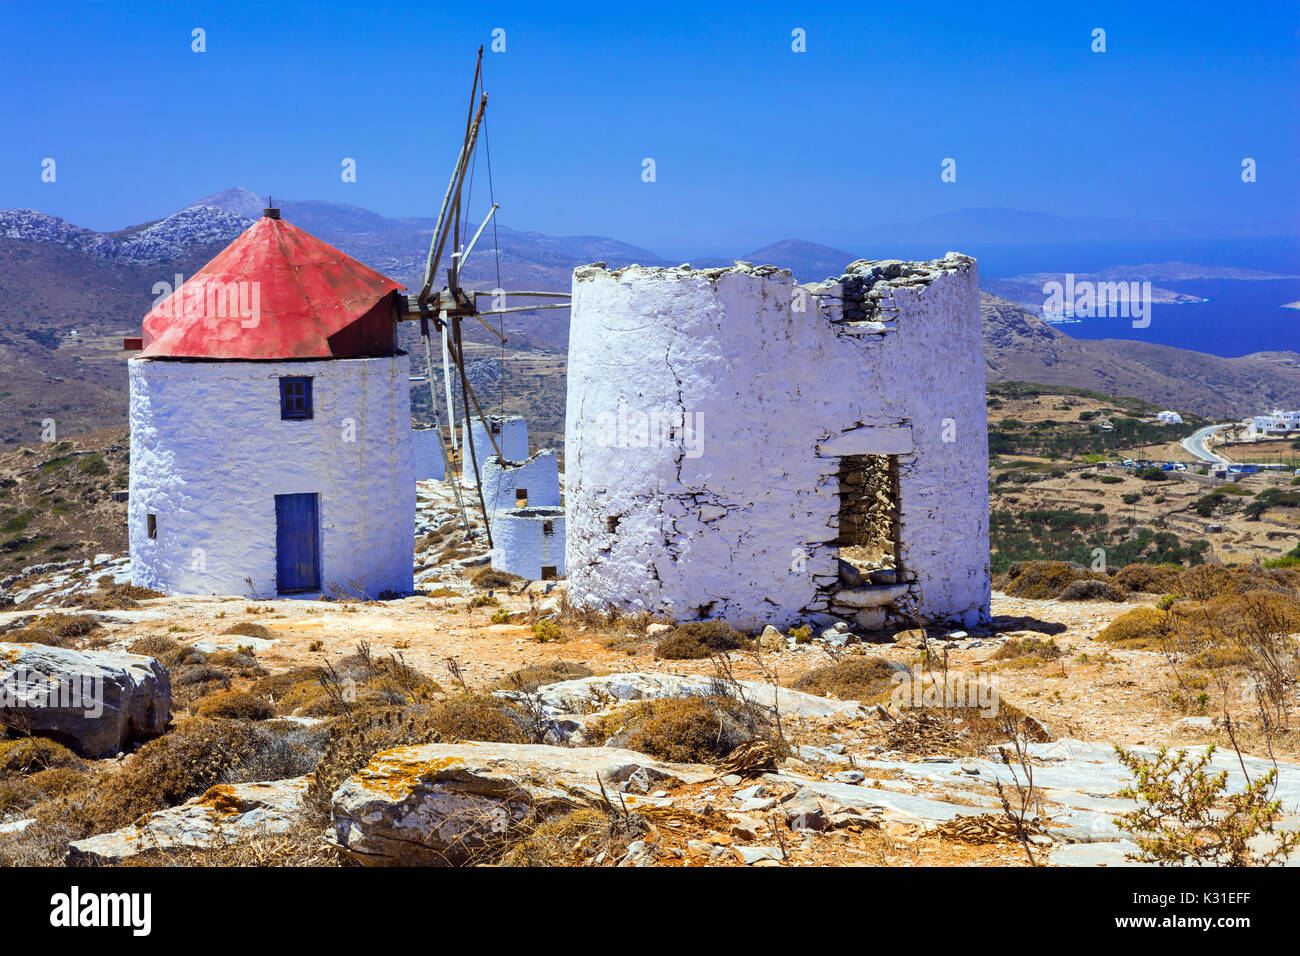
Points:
(297, 543)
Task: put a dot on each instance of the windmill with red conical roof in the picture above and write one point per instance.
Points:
(271, 427)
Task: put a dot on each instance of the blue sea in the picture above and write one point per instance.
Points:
(1240, 317)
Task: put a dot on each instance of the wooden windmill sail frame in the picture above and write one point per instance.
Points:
(445, 309)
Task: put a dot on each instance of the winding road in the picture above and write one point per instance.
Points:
(1195, 445)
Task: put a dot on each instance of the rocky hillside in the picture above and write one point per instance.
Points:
(56, 500)
(57, 278)
(1020, 346)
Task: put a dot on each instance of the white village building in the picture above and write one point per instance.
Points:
(1168, 417)
(1276, 422)
(271, 442)
(742, 447)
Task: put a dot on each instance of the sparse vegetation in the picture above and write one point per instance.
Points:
(697, 640)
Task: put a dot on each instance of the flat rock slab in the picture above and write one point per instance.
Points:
(91, 701)
(590, 694)
(446, 804)
(903, 806)
(1113, 853)
(229, 813)
(232, 642)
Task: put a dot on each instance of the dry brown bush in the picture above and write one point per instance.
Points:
(528, 679)
(1148, 578)
(156, 645)
(1091, 590)
(863, 678)
(28, 755)
(682, 729)
(1041, 580)
(697, 640)
(236, 703)
(1142, 627)
(250, 629)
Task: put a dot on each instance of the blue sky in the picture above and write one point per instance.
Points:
(752, 141)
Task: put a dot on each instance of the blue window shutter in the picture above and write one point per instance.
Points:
(295, 397)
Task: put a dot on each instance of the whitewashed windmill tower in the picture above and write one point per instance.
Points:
(271, 427)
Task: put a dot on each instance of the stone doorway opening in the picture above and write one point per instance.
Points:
(869, 513)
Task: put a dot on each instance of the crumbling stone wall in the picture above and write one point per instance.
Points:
(734, 513)
(538, 475)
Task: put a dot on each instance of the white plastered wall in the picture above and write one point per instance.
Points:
(734, 512)
(429, 463)
(209, 452)
(538, 475)
(522, 545)
(512, 439)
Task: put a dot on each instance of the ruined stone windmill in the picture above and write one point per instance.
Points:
(445, 310)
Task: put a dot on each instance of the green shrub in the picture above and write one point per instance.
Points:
(545, 631)
(1187, 815)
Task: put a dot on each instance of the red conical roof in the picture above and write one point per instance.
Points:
(276, 292)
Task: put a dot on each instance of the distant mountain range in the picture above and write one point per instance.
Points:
(56, 277)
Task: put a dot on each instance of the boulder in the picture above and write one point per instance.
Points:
(772, 639)
(93, 702)
(228, 813)
(448, 804)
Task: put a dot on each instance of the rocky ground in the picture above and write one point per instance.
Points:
(866, 780)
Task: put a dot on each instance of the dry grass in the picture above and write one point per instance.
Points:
(681, 729)
(698, 640)
(1143, 628)
(238, 704)
(28, 755)
(1027, 652)
(528, 679)
(55, 630)
(1041, 580)
(868, 679)
(569, 839)
(115, 597)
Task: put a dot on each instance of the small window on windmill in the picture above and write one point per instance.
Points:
(521, 497)
(548, 572)
(495, 428)
(295, 397)
(548, 527)
(611, 524)
(151, 525)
